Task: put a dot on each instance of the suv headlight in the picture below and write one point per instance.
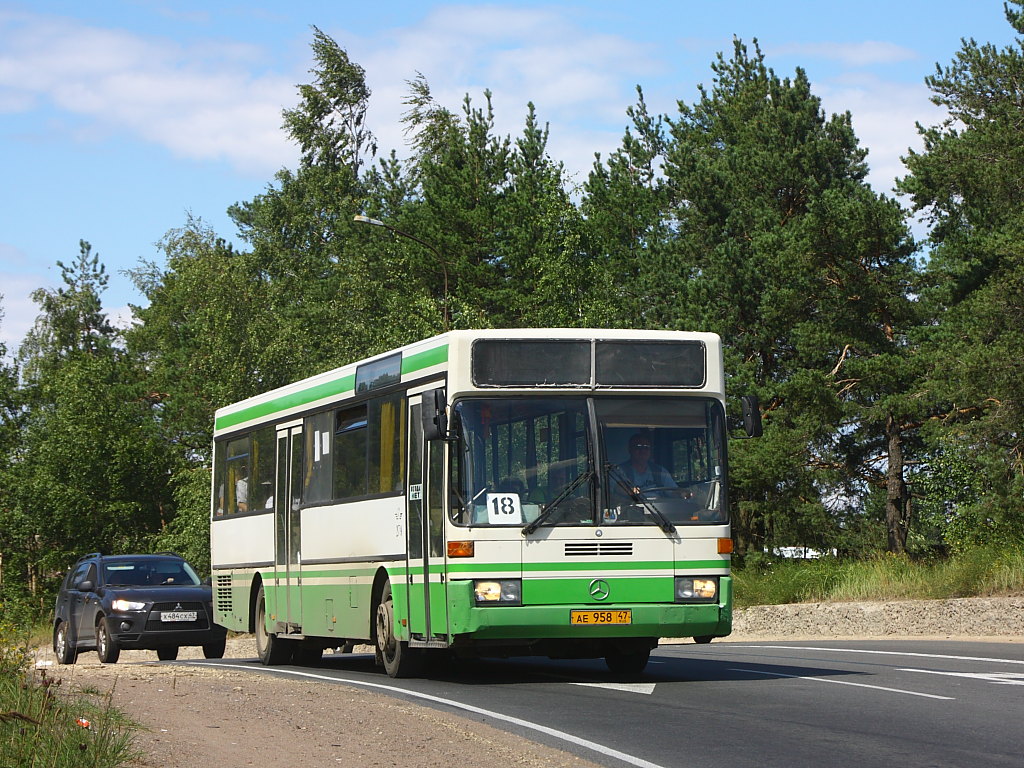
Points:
(498, 591)
(127, 605)
(696, 589)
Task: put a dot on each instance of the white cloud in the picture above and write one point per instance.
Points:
(201, 102)
(862, 54)
(884, 118)
(19, 311)
(205, 102)
(580, 81)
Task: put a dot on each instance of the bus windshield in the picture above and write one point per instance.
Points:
(525, 459)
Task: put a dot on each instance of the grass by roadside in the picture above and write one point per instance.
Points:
(43, 725)
(981, 572)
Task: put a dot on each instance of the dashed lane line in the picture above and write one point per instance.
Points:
(842, 682)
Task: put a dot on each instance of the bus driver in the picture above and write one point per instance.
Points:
(639, 472)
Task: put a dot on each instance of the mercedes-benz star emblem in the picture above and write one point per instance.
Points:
(599, 589)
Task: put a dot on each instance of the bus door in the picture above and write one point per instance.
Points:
(287, 604)
(426, 581)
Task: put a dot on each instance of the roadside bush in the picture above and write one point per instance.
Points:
(43, 727)
(977, 572)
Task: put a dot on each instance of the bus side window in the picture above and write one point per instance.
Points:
(317, 476)
(350, 435)
(237, 485)
(264, 460)
(386, 448)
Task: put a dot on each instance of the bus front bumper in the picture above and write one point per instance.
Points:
(509, 622)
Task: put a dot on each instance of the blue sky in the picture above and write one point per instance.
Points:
(118, 118)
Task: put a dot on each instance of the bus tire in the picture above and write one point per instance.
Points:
(308, 654)
(629, 662)
(271, 650)
(398, 658)
(703, 639)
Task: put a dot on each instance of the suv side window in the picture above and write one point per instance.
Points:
(85, 571)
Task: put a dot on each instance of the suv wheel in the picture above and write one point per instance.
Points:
(106, 648)
(215, 649)
(62, 648)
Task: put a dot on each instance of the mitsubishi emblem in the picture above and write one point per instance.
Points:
(599, 589)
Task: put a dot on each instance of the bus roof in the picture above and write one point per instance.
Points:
(423, 360)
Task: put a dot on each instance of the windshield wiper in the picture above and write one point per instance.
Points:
(621, 480)
(566, 493)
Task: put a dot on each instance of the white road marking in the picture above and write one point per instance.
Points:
(842, 682)
(880, 653)
(1001, 678)
(585, 743)
(647, 688)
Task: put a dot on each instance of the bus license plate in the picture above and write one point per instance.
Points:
(601, 617)
(168, 616)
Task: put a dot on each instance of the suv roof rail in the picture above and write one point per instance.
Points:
(168, 552)
(91, 554)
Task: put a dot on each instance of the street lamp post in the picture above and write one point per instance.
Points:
(425, 244)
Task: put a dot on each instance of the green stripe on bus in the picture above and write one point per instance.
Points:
(287, 402)
(426, 359)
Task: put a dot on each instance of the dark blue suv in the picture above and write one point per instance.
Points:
(155, 602)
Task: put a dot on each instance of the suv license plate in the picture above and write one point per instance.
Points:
(601, 617)
(167, 616)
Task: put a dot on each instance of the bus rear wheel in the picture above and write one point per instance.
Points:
(398, 658)
(271, 650)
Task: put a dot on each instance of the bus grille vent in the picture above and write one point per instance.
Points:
(599, 548)
(222, 594)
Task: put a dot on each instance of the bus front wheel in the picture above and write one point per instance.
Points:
(398, 658)
(628, 662)
(271, 650)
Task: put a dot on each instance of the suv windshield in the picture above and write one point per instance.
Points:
(651, 460)
(147, 572)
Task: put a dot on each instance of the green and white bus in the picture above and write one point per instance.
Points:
(557, 492)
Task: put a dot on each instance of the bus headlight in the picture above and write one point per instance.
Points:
(500, 592)
(696, 589)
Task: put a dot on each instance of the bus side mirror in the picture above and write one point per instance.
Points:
(751, 415)
(435, 414)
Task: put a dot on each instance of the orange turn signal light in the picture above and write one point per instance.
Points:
(725, 546)
(460, 549)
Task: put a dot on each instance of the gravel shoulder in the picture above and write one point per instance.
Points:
(191, 716)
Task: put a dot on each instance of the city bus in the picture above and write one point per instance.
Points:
(485, 493)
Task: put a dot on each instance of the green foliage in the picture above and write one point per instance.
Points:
(763, 230)
(967, 183)
(188, 533)
(976, 572)
(90, 469)
(205, 335)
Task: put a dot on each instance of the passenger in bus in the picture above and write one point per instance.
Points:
(639, 471)
(242, 494)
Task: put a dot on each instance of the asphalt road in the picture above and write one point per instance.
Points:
(821, 703)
